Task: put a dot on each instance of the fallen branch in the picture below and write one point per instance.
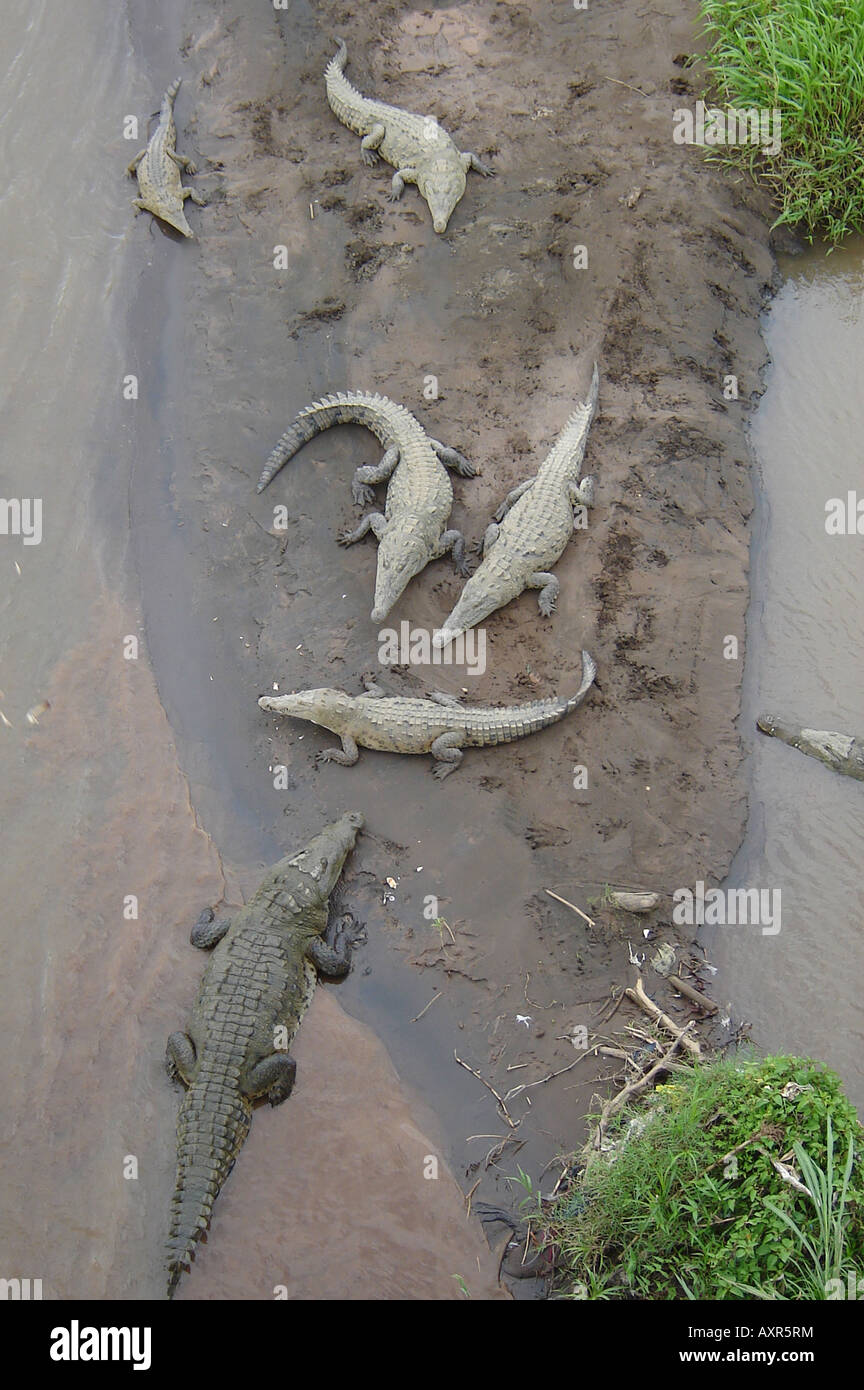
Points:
(633, 1088)
(572, 907)
(514, 1124)
(638, 995)
(428, 1006)
(517, 1090)
(682, 986)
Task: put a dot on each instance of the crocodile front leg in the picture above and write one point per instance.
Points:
(272, 1077)
(453, 541)
(195, 196)
(206, 932)
(490, 536)
(582, 494)
(513, 497)
(369, 144)
(470, 161)
(180, 1058)
(133, 163)
(398, 182)
(443, 697)
(373, 521)
(367, 476)
(447, 753)
(549, 589)
(332, 959)
(346, 756)
(451, 458)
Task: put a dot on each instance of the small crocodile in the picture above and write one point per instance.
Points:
(418, 148)
(438, 724)
(840, 752)
(411, 531)
(536, 521)
(158, 168)
(254, 993)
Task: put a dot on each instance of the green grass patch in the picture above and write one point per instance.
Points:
(806, 59)
(672, 1212)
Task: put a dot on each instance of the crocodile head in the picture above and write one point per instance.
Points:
(174, 216)
(402, 553)
(474, 605)
(441, 183)
(325, 707)
(323, 859)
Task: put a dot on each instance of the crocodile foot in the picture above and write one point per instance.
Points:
(369, 157)
(362, 494)
(547, 604)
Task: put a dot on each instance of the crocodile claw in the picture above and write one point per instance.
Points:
(345, 536)
(547, 606)
(362, 494)
(485, 169)
(369, 157)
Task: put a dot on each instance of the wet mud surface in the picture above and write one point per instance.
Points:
(329, 1191)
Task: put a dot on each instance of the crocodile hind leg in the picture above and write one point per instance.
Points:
(443, 697)
(582, 494)
(549, 589)
(347, 755)
(369, 144)
(333, 958)
(180, 1058)
(451, 458)
(195, 196)
(272, 1077)
(501, 512)
(447, 753)
(453, 541)
(206, 932)
(373, 521)
(182, 161)
(371, 473)
(398, 182)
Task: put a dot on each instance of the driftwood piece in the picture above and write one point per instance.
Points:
(638, 995)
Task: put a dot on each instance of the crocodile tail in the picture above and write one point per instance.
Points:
(168, 99)
(569, 447)
(589, 671)
(349, 105)
(376, 413)
(212, 1128)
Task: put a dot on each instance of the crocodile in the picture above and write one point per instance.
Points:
(417, 147)
(439, 724)
(158, 168)
(841, 752)
(255, 991)
(411, 531)
(536, 520)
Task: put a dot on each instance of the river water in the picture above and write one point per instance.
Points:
(801, 989)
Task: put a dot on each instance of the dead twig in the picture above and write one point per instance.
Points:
(633, 1088)
(638, 995)
(682, 986)
(417, 1017)
(517, 1090)
(572, 907)
(514, 1124)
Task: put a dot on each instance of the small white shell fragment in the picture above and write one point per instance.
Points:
(391, 882)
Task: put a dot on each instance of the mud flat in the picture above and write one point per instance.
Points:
(575, 110)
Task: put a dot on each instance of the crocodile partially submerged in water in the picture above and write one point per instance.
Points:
(254, 993)
(440, 724)
(841, 752)
(536, 521)
(418, 148)
(412, 529)
(158, 168)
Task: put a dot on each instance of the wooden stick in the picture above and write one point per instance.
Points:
(572, 906)
(707, 1004)
(639, 997)
(514, 1124)
(633, 1088)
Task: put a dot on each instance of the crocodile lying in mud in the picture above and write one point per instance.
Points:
(536, 521)
(254, 993)
(438, 724)
(840, 752)
(411, 531)
(158, 168)
(418, 148)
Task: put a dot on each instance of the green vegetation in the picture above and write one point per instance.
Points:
(805, 58)
(690, 1204)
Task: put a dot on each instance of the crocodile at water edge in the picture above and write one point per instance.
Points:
(418, 148)
(840, 752)
(411, 531)
(536, 521)
(158, 168)
(255, 991)
(438, 724)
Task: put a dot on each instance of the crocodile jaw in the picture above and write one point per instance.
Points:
(442, 187)
(175, 219)
(401, 555)
(323, 859)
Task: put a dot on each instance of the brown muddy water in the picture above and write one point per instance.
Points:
(801, 989)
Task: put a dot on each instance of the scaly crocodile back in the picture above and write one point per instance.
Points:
(348, 105)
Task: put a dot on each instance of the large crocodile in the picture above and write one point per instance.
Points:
(158, 168)
(840, 752)
(536, 521)
(439, 724)
(418, 148)
(411, 531)
(254, 993)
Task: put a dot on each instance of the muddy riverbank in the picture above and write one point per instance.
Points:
(575, 111)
